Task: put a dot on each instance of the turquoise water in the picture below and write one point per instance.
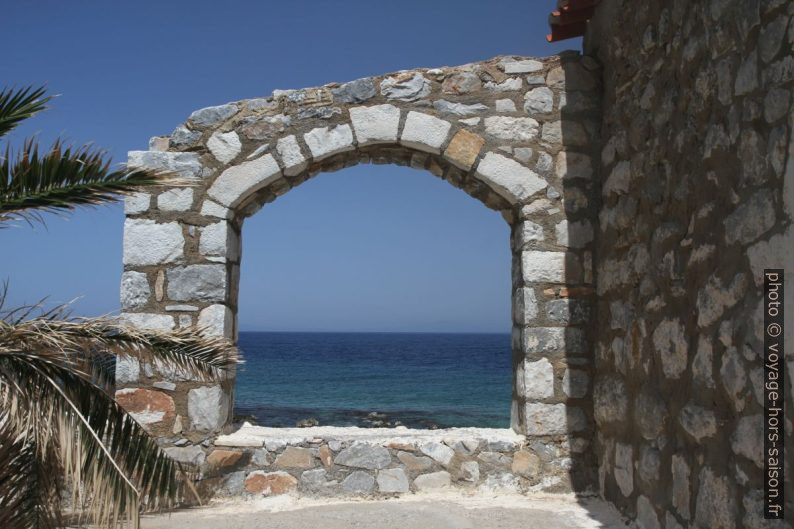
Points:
(418, 380)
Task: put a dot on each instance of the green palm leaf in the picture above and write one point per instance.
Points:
(18, 105)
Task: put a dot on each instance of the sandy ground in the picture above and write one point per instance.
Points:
(421, 511)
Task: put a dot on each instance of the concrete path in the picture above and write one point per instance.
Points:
(423, 511)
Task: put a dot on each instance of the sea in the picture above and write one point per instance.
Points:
(418, 380)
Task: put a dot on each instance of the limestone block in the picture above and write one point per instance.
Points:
(364, 455)
(568, 311)
(260, 128)
(209, 116)
(433, 481)
(291, 155)
(358, 482)
(424, 132)
(574, 165)
(437, 451)
(624, 468)
(610, 401)
(408, 86)
(539, 101)
(295, 457)
(646, 515)
(512, 128)
(697, 421)
(546, 267)
(512, 66)
(463, 149)
(127, 370)
(392, 480)
(326, 141)
(213, 209)
(577, 234)
(508, 85)
(751, 219)
(202, 282)
(525, 305)
(470, 471)
(681, 486)
(415, 463)
(183, 164)
(217, 320)
(355, 91)
(553, 419)
(188, 455)
(458, 109)
(148, 243)
(135, 290)
(177, 199)
(575, 383)
(208, 408)
(183, 137)
(224, 146)
(155, 322)
(509, 178)
(220, 239)
(538, 379)
(375, 124)
(715, 505)
(505, 105)
(270, 483)
(137, 203)
(238, 182)
(461, 83)
(670, 342)
(219, 458)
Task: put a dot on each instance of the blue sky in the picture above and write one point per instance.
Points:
(370, 248)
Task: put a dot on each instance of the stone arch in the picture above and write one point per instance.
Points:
(516, 133)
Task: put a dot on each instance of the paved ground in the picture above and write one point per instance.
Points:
(447, 511)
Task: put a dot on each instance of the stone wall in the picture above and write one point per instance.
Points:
(697, 199)
(516, 133)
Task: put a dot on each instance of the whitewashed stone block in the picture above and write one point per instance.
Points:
(512, 128)
(217, 320)
(135, 291)
(240, 181)
(207, 407)
(220, 239)
(424, 132)
(326, 141)
(213, 209)
(136, 203)
(184, 164)
(153, 322)
(509, 178)
(178, 199)
(224, 146)
(541, 267)
(375, 124)
(148, 243)
(538, 379)
(201, 282)
(291, 156)
(553, 419)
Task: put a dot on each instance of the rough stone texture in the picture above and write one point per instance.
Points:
(392, 480)
(433, 481)
(153, 410)
(270, 483)
(424, 132)
(463, 149)
(190, 455)
(358, 482)
(197, 283)
(695, 125)
(135, 290)
(225, 146)
(293, 457)
(147, 242)
(375, 124)
(207, 407)
(363, 455)
(239, 180)
(509, 178)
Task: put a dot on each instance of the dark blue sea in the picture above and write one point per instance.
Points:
(419, 380)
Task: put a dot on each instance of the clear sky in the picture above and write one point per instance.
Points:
(370, 248)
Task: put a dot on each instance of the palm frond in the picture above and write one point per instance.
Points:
(64, 178)
(18, 105)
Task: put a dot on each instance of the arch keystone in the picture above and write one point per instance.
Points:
(375, 124)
